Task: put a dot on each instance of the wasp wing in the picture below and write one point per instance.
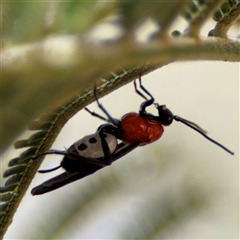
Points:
(63, 179)
(123, 149)
(87, 169)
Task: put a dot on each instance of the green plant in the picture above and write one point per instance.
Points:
(49, 57)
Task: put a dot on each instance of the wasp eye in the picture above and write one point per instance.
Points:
(165, 116)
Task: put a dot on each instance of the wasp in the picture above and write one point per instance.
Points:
(113, 140)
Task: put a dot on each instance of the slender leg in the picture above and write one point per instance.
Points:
(146, 103)
(138, 92)
(110, 119)
(73, 156)
(96, 115)
(107, 153)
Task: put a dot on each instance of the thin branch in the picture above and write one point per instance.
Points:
(205, 10)
(24, 168)
(225, 23)
(53, 83)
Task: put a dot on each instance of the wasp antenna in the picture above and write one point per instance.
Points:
(198, 129)
(192, 123)
(49, 170)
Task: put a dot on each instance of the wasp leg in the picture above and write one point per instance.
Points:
(106, 150)
(68, 177)
(123, 149)
(97, 115)
(73, 155)
(110, 119)
(138, 92)
(146, 103)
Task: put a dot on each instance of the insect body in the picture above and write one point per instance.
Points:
(85, 157)
(136, 126)
(100, 149)
(140, 129)
(95, 148)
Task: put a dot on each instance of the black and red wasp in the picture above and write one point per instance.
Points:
(112, 141)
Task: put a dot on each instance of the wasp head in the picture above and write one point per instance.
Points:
(165, 116)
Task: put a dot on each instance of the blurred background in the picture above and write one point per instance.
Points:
(180, 187)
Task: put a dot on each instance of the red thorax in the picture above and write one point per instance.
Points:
(140, 129)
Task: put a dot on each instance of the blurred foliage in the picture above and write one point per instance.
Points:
(52, 52)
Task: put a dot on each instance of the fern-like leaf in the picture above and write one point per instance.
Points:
(49, 56)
